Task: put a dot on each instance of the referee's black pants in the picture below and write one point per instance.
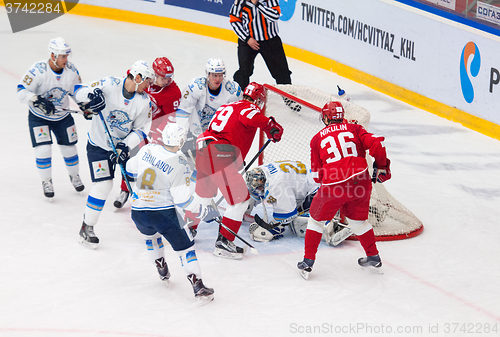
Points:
(273, 54)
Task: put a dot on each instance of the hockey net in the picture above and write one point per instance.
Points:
(297, 109)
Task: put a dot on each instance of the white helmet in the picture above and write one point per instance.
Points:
(215, 66)
(142, 68)
(173, 135)
(58, 46)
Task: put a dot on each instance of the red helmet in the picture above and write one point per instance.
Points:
(258, 93)
(163, 67)
(333, 111)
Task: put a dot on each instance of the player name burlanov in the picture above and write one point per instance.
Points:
(148, 158)
(333, 128)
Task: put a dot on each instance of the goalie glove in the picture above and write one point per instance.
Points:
(42, 104)
(381, 174)
(274, 131)
(97, 101)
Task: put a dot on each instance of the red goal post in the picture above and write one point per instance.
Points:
(297, 109)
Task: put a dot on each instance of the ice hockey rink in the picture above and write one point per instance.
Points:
(443, 282)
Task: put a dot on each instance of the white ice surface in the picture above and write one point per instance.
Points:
(50, 285)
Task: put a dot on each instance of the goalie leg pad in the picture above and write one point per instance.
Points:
(260, 234)
(359, 227)
(298, 226)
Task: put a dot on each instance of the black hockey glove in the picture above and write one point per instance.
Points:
(97, 101)
(43, 104)
(122, 151)
(86, 113)
(189, 144)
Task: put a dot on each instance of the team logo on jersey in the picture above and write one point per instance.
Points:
(126, 102)
(41, 66)
(72, 135)
(100, 169)
(271, 199)
(56, 95)
(42, 134)
(116, 119)
(58, 78)
(467, 88)
(206, 115)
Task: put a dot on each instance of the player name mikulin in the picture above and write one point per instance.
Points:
(161, 165)
(333, 128)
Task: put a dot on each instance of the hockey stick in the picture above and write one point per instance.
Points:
(219, 221)
(70, 111)
(248, 165)
(116, 154)
(257, 155)
(271, 225)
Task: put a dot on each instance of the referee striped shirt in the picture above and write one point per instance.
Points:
(258, 21)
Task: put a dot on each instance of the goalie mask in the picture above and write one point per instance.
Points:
(256, 181)
(257, 93)
(173, 135)
(332, 112)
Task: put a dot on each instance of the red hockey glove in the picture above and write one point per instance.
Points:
(381, 174)
(274, 130)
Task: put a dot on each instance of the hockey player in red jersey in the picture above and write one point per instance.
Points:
(220, 153)
(338, 162)
(165, 96)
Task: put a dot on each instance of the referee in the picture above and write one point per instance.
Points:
(256, 24)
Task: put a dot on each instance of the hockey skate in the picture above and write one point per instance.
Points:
(162, 267)
(48, 188)
(201, 292)
(77, 182)
(88, 237)
(121, 199)
(371, 262)
(227, 249)
(305, 267)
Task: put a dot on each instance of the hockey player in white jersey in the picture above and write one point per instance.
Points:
(162, 182)
(45, 87)
(288, 186)
(201, 99)
(126, 109)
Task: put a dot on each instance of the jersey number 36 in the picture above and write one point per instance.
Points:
(347, 147)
